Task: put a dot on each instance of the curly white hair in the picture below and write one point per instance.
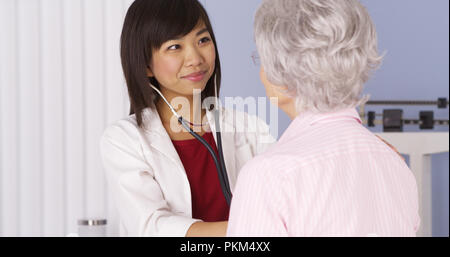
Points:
(322, 50)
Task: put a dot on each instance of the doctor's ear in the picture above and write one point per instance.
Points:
(149, 72)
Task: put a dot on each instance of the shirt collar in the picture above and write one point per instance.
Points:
(346, 114)
(308, 119)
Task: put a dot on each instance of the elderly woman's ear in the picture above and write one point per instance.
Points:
(278, 95)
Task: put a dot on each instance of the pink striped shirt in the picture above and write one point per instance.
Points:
(326, 176)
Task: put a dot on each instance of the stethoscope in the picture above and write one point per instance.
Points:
(219, 162)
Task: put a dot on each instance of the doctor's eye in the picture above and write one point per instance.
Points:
(173, 47)
(205, 40)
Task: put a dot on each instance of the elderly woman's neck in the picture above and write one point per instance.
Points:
(289, 109)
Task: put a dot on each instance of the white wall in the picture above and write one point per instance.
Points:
(61, 83)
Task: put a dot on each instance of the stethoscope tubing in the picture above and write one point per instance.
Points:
(219, 162)
(222, 159)
(220, 165)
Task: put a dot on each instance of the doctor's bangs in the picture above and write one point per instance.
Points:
(182, 19)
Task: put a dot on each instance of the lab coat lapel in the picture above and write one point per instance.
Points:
(158, 137)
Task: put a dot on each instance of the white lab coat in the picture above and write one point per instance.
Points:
(146, 176)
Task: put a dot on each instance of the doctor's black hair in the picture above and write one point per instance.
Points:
(148, 24)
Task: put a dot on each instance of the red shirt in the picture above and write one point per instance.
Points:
(208, 201)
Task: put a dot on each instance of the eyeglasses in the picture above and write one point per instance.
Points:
(255, 58)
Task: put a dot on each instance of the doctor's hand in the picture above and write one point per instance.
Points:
(208, 229)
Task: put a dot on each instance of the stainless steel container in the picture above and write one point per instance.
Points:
(95, 227)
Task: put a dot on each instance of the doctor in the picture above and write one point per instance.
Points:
(164, 181)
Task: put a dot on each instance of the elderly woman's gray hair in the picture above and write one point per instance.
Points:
(322, 50)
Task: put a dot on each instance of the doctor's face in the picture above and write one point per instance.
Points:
(183, 64)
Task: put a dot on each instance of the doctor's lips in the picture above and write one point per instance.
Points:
(196, 76)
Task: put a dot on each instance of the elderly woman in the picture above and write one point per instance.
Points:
(327, 175)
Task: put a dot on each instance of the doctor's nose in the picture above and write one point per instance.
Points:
(193, 58)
